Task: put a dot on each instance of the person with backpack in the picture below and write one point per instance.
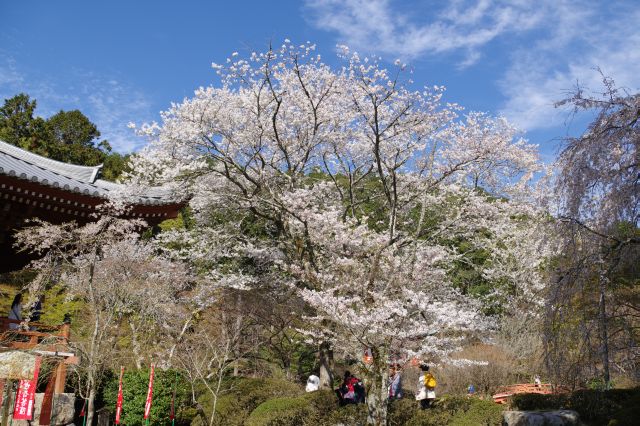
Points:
(426, 387)
(351, 391)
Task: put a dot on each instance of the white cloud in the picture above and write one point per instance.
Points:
(542, 74)
(460, 26)
(557, 43)
(108, 102)
(113, 105)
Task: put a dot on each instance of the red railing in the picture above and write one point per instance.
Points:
(46, 339)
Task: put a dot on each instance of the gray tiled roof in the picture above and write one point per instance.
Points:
(26, 165)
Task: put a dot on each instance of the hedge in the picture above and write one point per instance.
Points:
(241, 396)
(320, 408)
(134, 391)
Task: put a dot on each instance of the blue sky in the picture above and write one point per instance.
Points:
(125, 61)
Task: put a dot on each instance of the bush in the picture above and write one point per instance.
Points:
(241, 396)
(283, 412)
(536, 401)
(480, 413)
(323, 401)
(321, 408)
(429, 418)
(309, 409)
(629, 415)
(134, 391)
(401, 410)
(449, 410)
(315, 408)
(352, 415)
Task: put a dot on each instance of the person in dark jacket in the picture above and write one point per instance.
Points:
(351, 391)
(16, 311)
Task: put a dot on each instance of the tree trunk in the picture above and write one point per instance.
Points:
(378, 396)
(326, 366)
(604, 333)
(93, 352)
(237, 336)
(135, 345)
(90, 406)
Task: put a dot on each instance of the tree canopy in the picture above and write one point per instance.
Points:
(362, 186)
(67, 136)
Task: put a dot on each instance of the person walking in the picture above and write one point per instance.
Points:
(536, 381)
(426, 387)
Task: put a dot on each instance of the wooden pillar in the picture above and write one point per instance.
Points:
(47, 402)
(61, 369)
(65, 331)
(61, 377)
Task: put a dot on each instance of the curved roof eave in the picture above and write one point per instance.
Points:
(22, 164)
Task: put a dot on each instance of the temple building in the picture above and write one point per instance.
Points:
(32, 186)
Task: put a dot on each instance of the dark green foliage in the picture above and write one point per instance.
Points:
(114, 165)
(315, 408)
(134, 391)
(595, 407)
(629, 414)
(535, 401)
(72, 127)
(18, 126)
(67, 136)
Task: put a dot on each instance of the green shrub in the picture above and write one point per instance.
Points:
(323, 401)
(537, 401)
(134, 391)
(282, 412)
(448, 410)
(240, 397)
(429, 417)
(480, 413)
(352, 415)
(401, 410)
(453, 404)
(315, 408)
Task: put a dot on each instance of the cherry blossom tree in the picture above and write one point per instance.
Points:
(362, 187)
(119, 279)
(597, 195)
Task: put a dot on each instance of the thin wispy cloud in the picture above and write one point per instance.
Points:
(547, 46)
(458, 26)
(574, 55)
(108, 102)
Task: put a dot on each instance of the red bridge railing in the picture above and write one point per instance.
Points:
(46, 339)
